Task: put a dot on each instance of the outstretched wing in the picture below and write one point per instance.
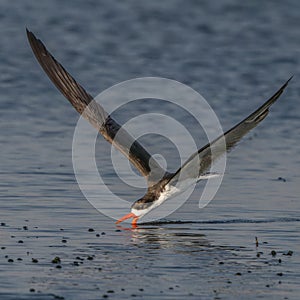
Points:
(93, 112)
(200, 162)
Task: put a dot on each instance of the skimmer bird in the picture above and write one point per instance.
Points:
(161, 184)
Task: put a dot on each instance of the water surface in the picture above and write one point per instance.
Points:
(236, 55)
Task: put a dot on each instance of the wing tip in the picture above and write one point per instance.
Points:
(33, 41)
(30, 35)
(287, 82)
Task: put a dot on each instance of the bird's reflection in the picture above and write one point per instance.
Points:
(180, 239)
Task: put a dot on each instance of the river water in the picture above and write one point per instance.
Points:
(243, 245)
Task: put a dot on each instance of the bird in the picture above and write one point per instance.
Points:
(161, 184)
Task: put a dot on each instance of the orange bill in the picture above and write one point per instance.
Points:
(128, 216)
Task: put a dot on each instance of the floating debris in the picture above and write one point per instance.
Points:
(259, 253)
(58, 297)
(79, 258)
(56, 260)
(273, 253)
(281, 179)
(289, 253)
(256, 242)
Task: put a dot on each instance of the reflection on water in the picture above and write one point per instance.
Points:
(177, 239)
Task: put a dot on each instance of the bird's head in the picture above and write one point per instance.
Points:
(140, 208)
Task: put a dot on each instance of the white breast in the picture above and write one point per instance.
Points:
(169, 192)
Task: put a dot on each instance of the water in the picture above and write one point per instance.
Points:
(236, 55)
